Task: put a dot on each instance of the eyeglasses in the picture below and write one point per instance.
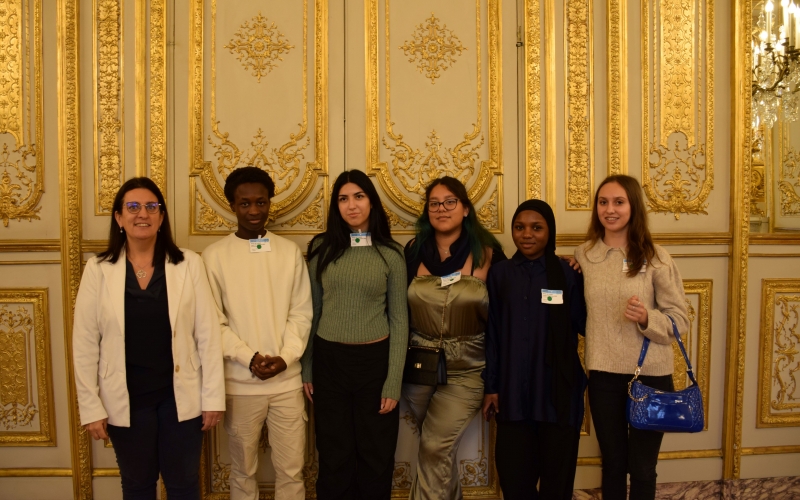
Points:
(450, 204)
(134, 207)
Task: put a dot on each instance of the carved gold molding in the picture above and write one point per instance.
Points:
(701, 335)
(433, 48)
(404, 175)
(533, 99)
(678, 105)
(25, 363)
(617, 54)
(789, 181)
(158, 94)
(401, 478)
(22, 157)
(108, 102)
(313, 216)
(579, 126)
(284, 162)
(779, 361)
(259, 46)
(69, 120)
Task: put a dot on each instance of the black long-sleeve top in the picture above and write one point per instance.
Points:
(516, 335)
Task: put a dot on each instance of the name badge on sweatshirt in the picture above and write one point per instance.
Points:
(449, 279)
(260, 245)
(552, 296)
(625, 266)
(360, 240)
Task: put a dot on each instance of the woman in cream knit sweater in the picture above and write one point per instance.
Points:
(631, 287)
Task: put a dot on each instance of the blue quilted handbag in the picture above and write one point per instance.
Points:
(653, 410)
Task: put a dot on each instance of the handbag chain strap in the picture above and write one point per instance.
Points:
(645, 345)
(444, 308)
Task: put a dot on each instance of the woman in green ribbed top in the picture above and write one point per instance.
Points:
(357, 347)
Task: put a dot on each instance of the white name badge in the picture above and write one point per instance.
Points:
(360, 240)
(449, 279)
(552, 296)
(260, 245)
(625, 266)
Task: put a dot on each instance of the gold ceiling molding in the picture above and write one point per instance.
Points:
(404, 177)
(700, 333)
(158, 94)
(108, 103)
(678, 105)
(258, 46)
(69, 151)
(25, 364)
(21, 160)
(433, 48)
(779, 362)
(284, 163)
(533, 99)
(579, 131)
(789, 182)
(617, 53)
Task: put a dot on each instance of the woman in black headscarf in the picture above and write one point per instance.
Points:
(534, 379)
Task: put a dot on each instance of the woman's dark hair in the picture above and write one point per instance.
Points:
(640, 242)
(336, 238)
(165, 246)
(246, 175)
(478, 236)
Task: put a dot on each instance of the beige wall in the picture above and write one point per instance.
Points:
(533, 98)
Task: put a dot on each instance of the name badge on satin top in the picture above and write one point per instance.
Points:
(360, 240)
(552, 296)
(625, 266)
(449, 279)
(260, 245)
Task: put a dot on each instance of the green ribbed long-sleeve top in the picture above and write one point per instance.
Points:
(362, 297)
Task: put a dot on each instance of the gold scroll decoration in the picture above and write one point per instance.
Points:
(433, 48)
(779, 364)
(258, 45)
(579, 126)
(789, 182)
(21, 164)
(108, 103)
(26, 385)
(698, 301)
(406, 169)
(401, 478)
(533, 99)
(617, 50)
(678, 105)
(158, 94)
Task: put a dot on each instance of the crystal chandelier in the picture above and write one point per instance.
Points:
(776, 64)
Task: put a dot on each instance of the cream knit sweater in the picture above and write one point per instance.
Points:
(613, 342)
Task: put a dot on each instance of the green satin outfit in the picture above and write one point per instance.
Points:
(458, 313)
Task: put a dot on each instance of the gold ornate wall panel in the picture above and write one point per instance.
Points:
(157, 126)
(27, 415)
(277, 52)
(678, 105)
(779, 362)
(578, 109)
(617, 104)
(698, 341)
(21, 107)
(424, 56)
(108, 103)
(533, 98)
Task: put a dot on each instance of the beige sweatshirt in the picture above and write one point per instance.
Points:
(613, 342)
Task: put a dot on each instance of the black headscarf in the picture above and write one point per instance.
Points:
(559, 353)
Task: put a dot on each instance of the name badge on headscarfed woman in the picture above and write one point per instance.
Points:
(552, 296)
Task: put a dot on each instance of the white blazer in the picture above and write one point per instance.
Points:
(98, 341)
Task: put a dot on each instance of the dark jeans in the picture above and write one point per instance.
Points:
(156, 442)
(529, 452)
(356, 445)
(625, 449)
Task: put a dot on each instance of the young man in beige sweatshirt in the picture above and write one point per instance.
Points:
(261, 286)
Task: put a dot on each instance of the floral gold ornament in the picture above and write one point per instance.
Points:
(259, 46)
(488, 214)
(678, 106)
(220, 475)
(312, 216)
(158, 93)
(401, 478)
(209, 219)
(580, 175)
(433, 48)
(397, 221)
(617, 88)
(789, 183)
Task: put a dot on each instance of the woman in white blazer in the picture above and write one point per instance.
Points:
(147, 349)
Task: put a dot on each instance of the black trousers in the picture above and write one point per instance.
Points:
(625, 449)
(156, 442)
(529, 452)
(356, 444)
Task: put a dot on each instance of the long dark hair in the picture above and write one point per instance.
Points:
(640, 242)
(478, 236)
(336, 238)
(165, 246)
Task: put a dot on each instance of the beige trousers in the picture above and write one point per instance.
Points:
(286, 424)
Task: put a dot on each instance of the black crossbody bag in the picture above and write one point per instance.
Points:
(427, 365)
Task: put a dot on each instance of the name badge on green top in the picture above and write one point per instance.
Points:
(360, 240)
